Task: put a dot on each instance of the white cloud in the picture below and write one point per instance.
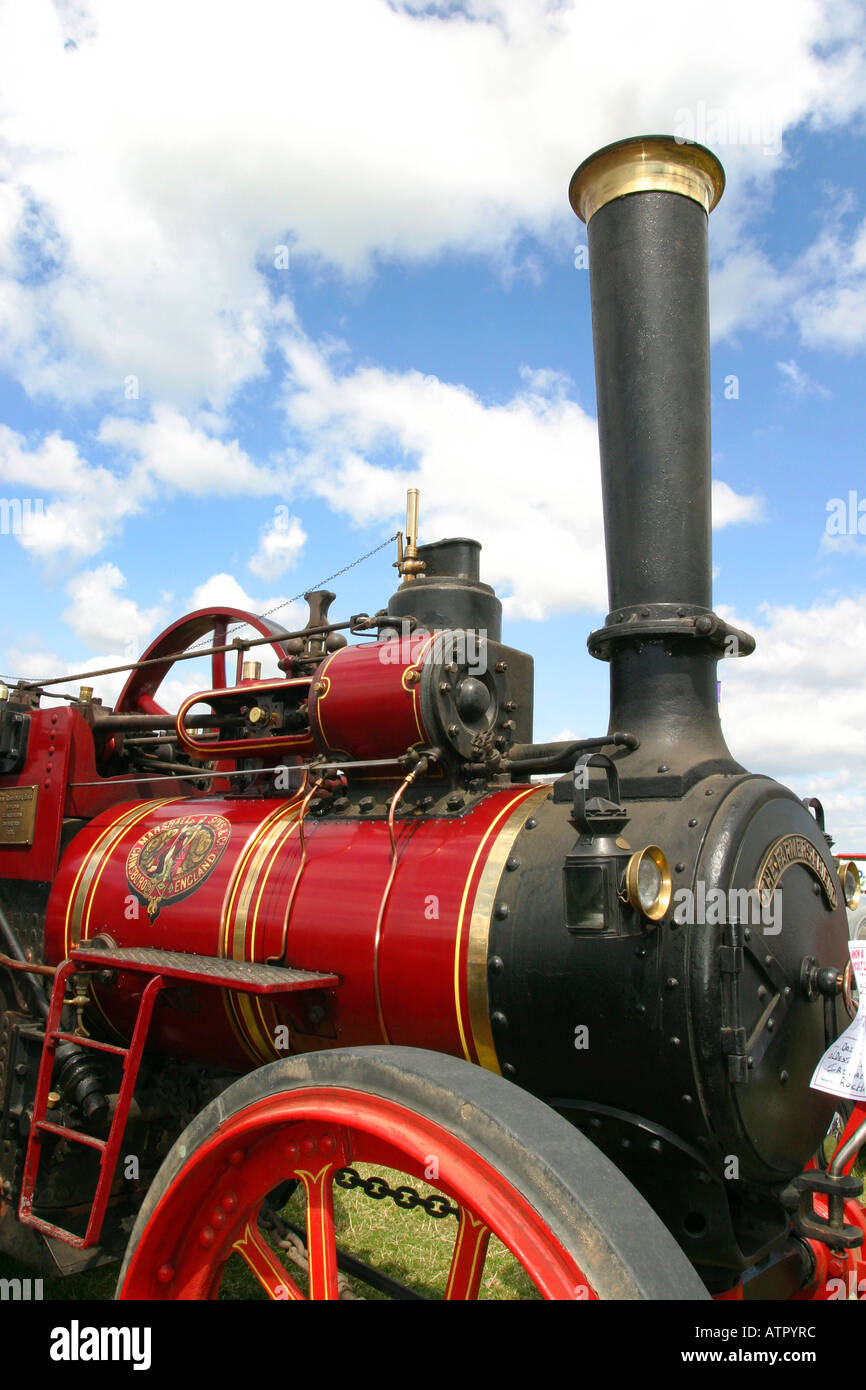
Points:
(794, 708)
(797, 380)
(103, 618)
(89, 503)
(155, 163)
(731, 508)
(183, 457)
(478, 466)
(280, 545)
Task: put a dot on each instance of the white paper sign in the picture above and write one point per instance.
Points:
(840, 1071)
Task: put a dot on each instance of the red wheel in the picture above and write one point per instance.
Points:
(494, 1161)
(138, 693)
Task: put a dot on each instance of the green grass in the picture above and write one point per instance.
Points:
(410, 1246)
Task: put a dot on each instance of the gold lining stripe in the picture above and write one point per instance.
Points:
(509, 806)
(249, 865)
(229, 896)
(479, 928)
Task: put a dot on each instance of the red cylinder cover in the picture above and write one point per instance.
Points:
(365, 700)
(216, 877)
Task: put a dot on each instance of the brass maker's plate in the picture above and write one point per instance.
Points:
(17, 815)
(794, 849)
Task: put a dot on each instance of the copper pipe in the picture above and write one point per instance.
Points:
(302, 841)
(420, 766)
(27, 967)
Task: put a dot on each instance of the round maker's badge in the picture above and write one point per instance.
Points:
(174, 858)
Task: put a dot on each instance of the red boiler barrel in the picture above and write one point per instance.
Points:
(216, 877)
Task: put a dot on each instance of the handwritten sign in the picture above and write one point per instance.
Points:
(840, 1071)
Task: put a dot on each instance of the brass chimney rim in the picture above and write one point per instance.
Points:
(646, 164)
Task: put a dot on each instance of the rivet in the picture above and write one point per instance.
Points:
(655, 1146)
(327, 1144)
(496, 965)
(512, 863)
(641, 1008)
(783, 1077)
(499, 1020)
(508, 1069)
(531, 823)
(501, 911)
(308, 1144)
(663, 767)
(640, 952)
(708, 792)
(218, 1217)
(671, 982)
(291, 1151)
(687, 1100)
(165, 1274)
(207, 1236)
(501, 666)
(595, 1122)
(675, 1042)
(768, 960)
(749, 1063)
(679, 867)
(762, 991)
(236, 1156)
(625, 1143)
(747, 935)
(692, 823)
(771, 1023)
(787, 991)
(229, 1202)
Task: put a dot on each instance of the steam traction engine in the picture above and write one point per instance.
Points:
(287, 919)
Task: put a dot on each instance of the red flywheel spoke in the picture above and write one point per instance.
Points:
(467, 1260)
(270, 1272)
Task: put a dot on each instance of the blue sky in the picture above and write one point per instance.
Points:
(203, 416)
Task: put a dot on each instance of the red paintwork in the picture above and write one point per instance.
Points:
(109, 1149)
(143, 684)
(309, 1133)
(272, 745)
(332, 927)
(370, 707)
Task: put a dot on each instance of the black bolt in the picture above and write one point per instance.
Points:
(496, 965)
(512, 863)
(783, 1077)
(453, 730)
(687, 1100)
(531, 823)
(663, 767)
(692, 823)
(671, 982)
(595, 1122)
(655, 1146)
(366, 803)
(499, 1020)
(508, 1069)
(501, 911)
(455, 801)
(679, 867)
(640, 952)
(675, 1042)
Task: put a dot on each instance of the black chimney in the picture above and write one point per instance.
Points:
(645, 202)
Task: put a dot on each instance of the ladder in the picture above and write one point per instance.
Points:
(246, 977)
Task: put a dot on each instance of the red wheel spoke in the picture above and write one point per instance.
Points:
(321, 1238)
(467, 1261)
(218, 660)
(270, 1272)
